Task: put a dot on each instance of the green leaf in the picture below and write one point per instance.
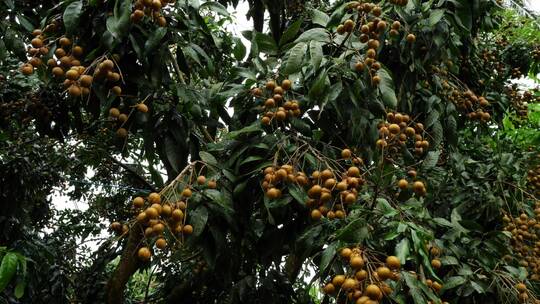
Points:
(318, 87)
(198, 218)
(319, 17)
(239, 50)
(154, 39)
(265, 43)
(431, 159)
(316, 54)
(327, 256)
(3, 50)
(355, 232)
(72, 14)
(8, 269)
(453, 282)
(208, 158)
(19, 289)
(25, 23)
(435, 16)
(118, 24)
(402, 250)
(215, 7)
(291, 32)
(316, 34)
(387, 90)
(298, 194)
(414, 289)
(294, 62)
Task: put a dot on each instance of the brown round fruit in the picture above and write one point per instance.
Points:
(403, 184)
(373, 292)
(138, 202)
(144, 254)
(161, 243)
(393, 262)
(188, 229)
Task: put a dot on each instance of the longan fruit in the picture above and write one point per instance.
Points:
(74, 90)
(403, 184)
(329, 288)
(436, 263)
(144, 254)
(27, 69)
(393, 262)
(141, 107)
(177, 215)
(286, 84)
(37, 43)
(201, 180)
(373, 292)
(138, 202)
(187, 192)
(114, 112)
(316, 214)
(411, 38)
(161, 243)
(188, 229)
(72, 74)
(212, 184)
(116, 90)
(65, 41)
(338, 280)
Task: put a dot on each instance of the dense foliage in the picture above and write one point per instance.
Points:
(352, 152)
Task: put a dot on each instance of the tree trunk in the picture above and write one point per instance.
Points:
(128, 265)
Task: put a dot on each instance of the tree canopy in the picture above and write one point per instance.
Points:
(352, 152)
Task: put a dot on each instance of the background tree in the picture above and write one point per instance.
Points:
(375, 150)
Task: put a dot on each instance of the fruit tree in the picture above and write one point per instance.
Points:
(362, 152)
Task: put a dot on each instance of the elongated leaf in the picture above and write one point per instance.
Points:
(316, 54)
(431, 159)
(154, 39)
(215, 7)
(8, 268)
(316, 34)
(327, 256)
(294, 62)
(198, 218)
(291, 32)
(239, 50)
(435, 16)
(402, 250)
(118, 24)
(386, 87)
(265, 43)
(72, 14)
(208, 158)
(319, 17)
(355, 231)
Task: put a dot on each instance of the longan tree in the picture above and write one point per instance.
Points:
(358, 152)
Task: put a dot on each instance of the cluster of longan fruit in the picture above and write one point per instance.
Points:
(331, 192)
(157, 216)
(150, 8)
(525, 240)
(533, 179)
(366, 280)
(370, 33)
(121, 118)
(39, 48)
(417, 186)
(472, 105)
(520, 101)
(276, 107)
(398, 130)
(523, 294)
(280, 176)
